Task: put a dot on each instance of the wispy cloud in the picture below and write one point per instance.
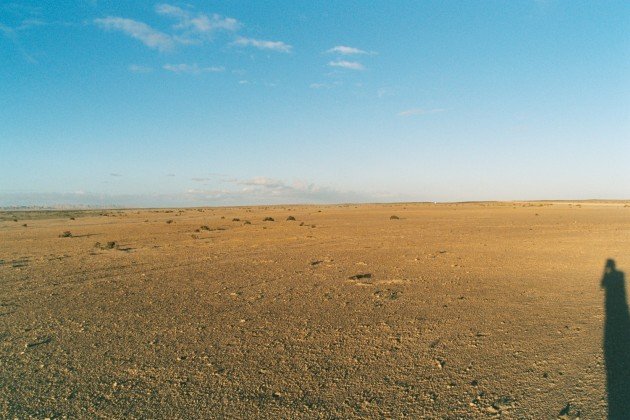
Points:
(344, 50)
(262, 181)
(192, 68)
(114, 174)
(420, 111)
(136, 68)
(12, 34)
(30, 23)
(7, 30)
(350, 65)
(262, 190)
(258, 190)
(325, 85)
(199, 23)
(384, 91)
(278, 46)
(150, 37)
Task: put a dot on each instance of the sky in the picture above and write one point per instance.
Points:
(143, 103)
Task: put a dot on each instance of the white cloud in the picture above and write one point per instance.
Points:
(325, 85)
(191, 68)
(150, 37)
(265, 190)
(263, 45)
(344, 50)
(262, 181)
(420, 111)
(350, 65)
(8, 31)
(199, 23)
(30, 23)
(136, 68)
(384, 91)
(259, 190)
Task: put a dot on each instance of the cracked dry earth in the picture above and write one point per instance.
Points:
(450, 311)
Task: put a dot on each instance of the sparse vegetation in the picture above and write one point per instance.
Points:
(108, 245)
(236, 219)
(361, 276)
(394, 217)
(268, 219)
(290, 218)
(169, 221)
(66, 234)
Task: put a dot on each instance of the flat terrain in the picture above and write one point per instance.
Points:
(450, 310)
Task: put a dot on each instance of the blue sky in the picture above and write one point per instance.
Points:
(143, 103)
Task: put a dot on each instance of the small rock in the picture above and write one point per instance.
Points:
(439, 363)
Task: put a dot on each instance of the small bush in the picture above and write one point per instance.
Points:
(268, 219)
(247, 222)
(204, 227)
(66, 234)
(394, 217)
(169, 221)
(236, 219)
(108, 245)
(361, 276)
(290, 218)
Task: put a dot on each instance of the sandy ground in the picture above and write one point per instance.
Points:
(451, 310)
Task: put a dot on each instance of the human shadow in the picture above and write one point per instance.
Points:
(616, 342)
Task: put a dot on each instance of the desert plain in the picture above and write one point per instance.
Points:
(417, 310)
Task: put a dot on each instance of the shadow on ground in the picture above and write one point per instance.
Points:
(616, 342)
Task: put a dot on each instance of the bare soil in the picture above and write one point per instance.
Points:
(447, 310)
